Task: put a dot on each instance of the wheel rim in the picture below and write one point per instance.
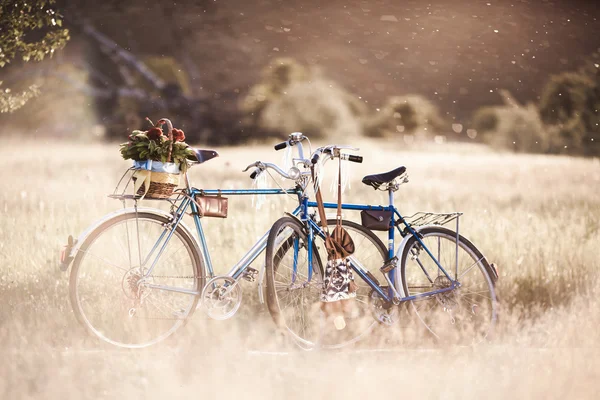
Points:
(465, 315)
(111, 302)
(296, 295)
(301, 314)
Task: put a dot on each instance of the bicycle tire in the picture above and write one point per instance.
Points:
(313, 335)
(438, 313)
(150, 328)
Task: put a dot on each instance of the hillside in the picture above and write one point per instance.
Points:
(457, 54)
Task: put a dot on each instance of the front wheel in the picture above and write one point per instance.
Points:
(293, 293)
(108, 293)
(465, 315)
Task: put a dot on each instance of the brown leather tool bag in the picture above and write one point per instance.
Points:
(212, 206)
(376, 220)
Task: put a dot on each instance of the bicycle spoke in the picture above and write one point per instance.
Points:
(464, 314)
(109, 298)
(165, 261)
(298, 298)
(104, 260)
(471, 267)
(478, 294)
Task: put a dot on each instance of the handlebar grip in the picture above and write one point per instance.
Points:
(356, 159)
(253, 174)
(281, 145)
(315, 158)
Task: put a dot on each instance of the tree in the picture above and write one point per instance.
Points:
(570, 102)
(409, 114)
(518, 128)
(292, 97)
(566, 120)
(30, 30)
(515, 126)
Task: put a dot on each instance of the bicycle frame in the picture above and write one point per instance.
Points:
(238, 269)
(392, 293)
(302, 212)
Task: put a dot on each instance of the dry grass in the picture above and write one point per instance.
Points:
(537, 217)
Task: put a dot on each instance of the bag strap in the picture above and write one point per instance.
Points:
(338, 219)
(334, 249)
(319, 199)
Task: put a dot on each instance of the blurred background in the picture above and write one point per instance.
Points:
(519, 75)
(455, 90)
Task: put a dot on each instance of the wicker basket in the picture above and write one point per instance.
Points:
(162, 185)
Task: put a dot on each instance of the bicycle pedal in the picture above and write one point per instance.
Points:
(250, 274)
(389, 265)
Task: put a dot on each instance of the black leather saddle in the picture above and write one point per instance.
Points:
(204, 155)
(377, 180)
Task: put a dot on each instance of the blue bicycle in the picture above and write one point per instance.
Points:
(138, 274)
(446, 282)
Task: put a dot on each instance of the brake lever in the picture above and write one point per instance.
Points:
(257, 164)
(303, 161)
(344, 147)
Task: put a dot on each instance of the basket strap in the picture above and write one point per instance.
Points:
(167, 121)
(143, 176)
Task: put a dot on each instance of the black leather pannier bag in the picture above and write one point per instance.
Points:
(376, 220)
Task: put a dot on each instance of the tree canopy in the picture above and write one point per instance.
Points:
(31, 30)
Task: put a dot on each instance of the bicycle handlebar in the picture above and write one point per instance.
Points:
(261, 166)
(352, 158)
(332, 151)
(296, 138)
(315, 158)
(281, 145)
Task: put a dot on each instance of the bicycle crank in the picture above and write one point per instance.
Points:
(221, 297)
(382, 311)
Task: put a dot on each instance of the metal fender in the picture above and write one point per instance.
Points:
(85, 234)
(399, 251)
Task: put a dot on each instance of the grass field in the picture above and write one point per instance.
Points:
(536, 217)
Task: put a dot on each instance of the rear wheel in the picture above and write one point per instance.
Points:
(293, 298)
(465, 315)
(106, 287)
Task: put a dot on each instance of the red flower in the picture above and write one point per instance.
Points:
(154, 133)
(178, 135)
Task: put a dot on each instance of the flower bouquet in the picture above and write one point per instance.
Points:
(158, 159)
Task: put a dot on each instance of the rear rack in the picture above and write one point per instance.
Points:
(428, 218)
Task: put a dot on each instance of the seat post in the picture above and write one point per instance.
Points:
(391, 194)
